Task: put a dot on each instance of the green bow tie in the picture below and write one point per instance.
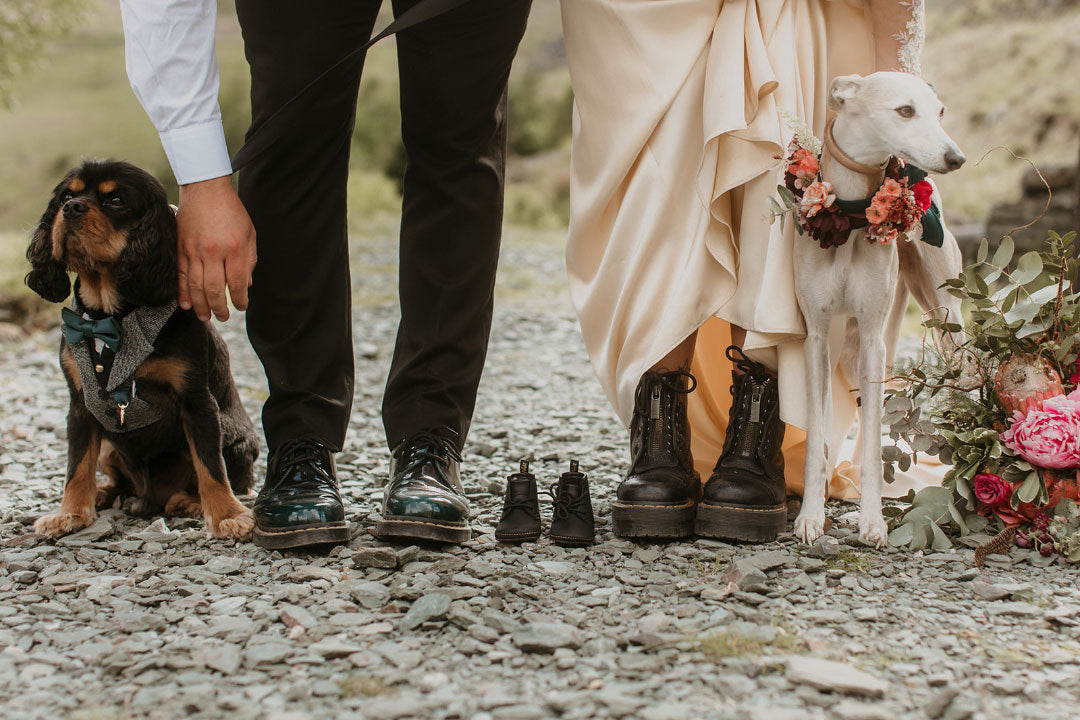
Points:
(77, 328)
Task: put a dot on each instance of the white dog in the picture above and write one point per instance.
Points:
(878, 117)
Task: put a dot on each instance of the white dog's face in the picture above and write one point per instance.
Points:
(897, 114)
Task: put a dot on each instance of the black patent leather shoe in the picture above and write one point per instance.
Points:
(299, 505)
(520, 520)
(424, 500)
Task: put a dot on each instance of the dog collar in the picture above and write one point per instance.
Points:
(846, 160)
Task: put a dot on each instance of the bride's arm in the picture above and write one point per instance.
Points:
(899, 29)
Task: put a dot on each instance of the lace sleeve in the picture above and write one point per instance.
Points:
(899, 32)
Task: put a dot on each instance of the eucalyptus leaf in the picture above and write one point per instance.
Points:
(984, 250)
(1029, 267)
(977, 523)
(941, 542)
(1029, 490)
(901, 535)
(1004, 253)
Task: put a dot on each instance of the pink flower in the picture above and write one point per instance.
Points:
(890, 190)
(804, 166)
(1047, 437)
(991, 489)
(818, 196)
(878, 212)
(887, 235)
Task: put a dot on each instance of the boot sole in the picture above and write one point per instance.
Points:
(653, 521)
(408, 528)
(739, 522)
(324, 534)
(567, 541)
(517, 537)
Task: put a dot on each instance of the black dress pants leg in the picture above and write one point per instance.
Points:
(299, 321)
(454, 71)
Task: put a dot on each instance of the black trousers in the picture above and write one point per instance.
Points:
(454, 71)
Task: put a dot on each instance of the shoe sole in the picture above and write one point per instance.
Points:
(740, 522)
(567, 541)
(513, 538)
(325, 534)
(407, 528)
(653, 521)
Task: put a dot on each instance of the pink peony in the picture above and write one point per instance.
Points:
(1048, 437)
(818, 196)
(991, 489)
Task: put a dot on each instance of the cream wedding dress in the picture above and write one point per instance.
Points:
(680, 117)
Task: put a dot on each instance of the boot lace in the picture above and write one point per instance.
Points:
(563, 505)
(297, 452)
(427, 446)
(526, 505)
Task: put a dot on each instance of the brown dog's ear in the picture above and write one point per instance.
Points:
(842, 89)
(146, 272)
(48, 276)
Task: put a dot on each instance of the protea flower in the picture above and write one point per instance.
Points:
(1023, 382)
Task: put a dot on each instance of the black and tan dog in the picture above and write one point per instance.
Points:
(153, 401)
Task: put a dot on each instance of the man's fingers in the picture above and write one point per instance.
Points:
(182, 279)
(198, 295)
(239, 278)
(214, 288)
(238, 271)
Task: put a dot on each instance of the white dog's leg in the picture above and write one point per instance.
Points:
(872, 527)
(810, 524)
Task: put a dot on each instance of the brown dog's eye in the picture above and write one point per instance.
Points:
(65, 196)
(115, 202)
(905, 111)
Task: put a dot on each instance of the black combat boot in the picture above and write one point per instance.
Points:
(520, 521)
(745, 497)
(658, 495)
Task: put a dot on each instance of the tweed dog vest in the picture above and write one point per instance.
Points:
(139, 330)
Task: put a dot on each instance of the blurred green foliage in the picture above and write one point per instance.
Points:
(25, 27)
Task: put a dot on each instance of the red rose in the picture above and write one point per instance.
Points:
(923, 190)
(991, 489)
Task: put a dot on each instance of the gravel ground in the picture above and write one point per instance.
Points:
(148, 617)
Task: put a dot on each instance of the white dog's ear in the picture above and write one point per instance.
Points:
(843, 88)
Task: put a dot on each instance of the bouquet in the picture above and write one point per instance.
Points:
(997, 398)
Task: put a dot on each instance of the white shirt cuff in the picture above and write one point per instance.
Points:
(197, 152)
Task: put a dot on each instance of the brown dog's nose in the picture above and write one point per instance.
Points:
(74, 206)
(954, 159)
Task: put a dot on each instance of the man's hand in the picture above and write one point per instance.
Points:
(217, 248)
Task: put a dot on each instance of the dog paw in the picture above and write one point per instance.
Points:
(183, 505)
(873, 529)
(236, 527)
(810, 525)
(62, 523)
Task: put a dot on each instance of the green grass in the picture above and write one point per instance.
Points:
(362, 685)
(851, 561)
(723, 644)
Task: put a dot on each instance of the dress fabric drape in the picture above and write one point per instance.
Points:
(678, 125)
